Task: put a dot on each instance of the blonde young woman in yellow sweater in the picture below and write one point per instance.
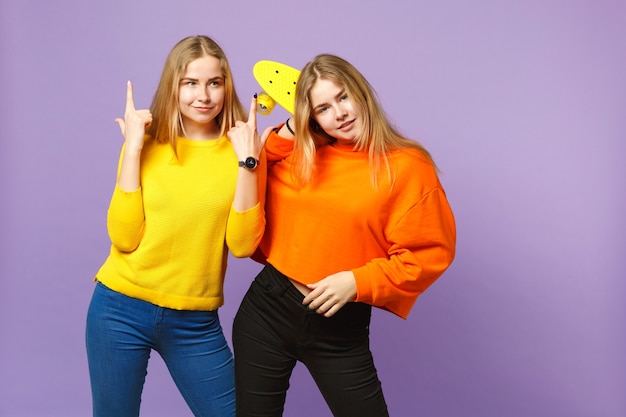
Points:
(356, 217)
(187, 192)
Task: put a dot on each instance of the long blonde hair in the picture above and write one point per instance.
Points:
(378, 137)
(167, 120)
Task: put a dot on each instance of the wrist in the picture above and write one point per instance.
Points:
(250, 163)
(289, 127)
(132, 151)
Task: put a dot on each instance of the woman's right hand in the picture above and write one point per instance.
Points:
(133, 127)
(134, 123)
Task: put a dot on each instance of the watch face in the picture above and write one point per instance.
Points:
(250, 163)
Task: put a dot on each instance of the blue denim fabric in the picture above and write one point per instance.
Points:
(121, 333)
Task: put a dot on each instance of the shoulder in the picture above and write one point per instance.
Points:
(413, 172)
(277, 147)
(409, 160)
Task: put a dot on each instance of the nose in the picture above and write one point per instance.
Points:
(203, 95)
(340, 112)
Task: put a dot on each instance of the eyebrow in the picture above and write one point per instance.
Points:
(218, 77)
(337, 96)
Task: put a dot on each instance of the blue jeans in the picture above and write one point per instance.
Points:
(272, 330)
(121, 333)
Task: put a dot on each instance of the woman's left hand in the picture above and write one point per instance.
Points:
(244, 137)
(331, 293)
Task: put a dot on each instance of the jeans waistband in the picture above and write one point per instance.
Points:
(281, 282)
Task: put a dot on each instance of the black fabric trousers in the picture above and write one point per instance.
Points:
(272, 330)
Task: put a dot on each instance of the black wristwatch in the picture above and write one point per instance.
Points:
(250, 163)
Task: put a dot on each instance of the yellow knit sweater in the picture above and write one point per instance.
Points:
(170, 239)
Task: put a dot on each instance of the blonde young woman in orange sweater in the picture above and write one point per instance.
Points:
(356, 217)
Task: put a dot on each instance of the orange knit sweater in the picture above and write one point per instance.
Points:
(396, 240)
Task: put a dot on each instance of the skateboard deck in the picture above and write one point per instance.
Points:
(278, 82)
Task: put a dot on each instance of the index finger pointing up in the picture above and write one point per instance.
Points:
(252, 113)
(130, 102)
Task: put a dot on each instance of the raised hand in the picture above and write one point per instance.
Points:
(133, 127)
(244, 137)
(331, 293)
(134, 123)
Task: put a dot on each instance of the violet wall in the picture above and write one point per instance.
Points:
(522, 104)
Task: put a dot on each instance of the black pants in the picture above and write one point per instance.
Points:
(272, 330)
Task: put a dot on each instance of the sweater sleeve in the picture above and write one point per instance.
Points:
(125, 219)
(422, 246)
(244, 230)
(277, 147)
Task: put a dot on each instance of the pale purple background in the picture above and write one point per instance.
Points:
(522, 104)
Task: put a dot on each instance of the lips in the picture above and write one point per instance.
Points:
(346, 125)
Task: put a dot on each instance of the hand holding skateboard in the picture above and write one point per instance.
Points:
(278, 82)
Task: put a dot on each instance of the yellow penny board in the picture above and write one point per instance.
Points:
(278, 81)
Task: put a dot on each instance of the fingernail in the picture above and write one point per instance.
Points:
(254, 95)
